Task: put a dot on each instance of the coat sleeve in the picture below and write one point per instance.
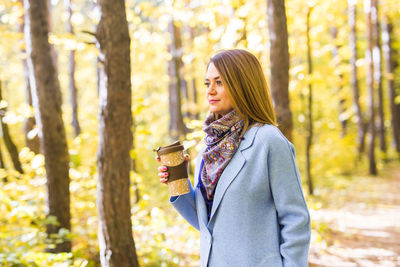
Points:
(286, 189)
(186, 206)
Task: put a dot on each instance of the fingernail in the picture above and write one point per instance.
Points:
(165, 174)
(164, 168)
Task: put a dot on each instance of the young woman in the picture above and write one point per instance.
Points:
(247, 201)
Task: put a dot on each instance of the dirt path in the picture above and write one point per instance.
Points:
(359, 224)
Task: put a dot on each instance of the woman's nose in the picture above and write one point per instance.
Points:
(211, 89)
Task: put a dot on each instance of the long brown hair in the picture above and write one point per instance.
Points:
(243, 78)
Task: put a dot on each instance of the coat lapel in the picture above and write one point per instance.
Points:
(232, 169)
(201, 209)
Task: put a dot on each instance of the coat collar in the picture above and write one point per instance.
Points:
(232, 169)
(248, 138)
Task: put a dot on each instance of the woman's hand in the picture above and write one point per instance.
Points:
(163, 170)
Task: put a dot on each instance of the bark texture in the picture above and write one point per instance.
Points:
(11, 147)
(2, 165)
(336, 60)
(194, 113)
(177, 127)
(71, 73)
(279, 58)
(31, 132)
(370, 88)
(46, 96)
(30, 129)
(377, 59)
(117, 247)
(361, 126)
(391, 65)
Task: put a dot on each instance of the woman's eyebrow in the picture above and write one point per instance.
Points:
(215, 78)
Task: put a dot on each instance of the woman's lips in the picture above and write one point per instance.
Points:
(212, 101)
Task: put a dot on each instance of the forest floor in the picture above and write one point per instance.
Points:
(358, 223)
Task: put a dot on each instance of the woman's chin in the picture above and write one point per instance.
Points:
(213, 110)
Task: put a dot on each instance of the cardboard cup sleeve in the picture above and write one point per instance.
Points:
(172, 157)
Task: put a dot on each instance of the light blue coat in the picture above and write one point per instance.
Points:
(259, 216)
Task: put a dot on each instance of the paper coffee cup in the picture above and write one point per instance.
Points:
(172, 156)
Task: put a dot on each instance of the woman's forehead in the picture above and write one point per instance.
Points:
(212, 72)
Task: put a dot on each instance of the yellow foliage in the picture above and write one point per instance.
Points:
(160, 235)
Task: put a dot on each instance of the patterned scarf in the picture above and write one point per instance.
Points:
(222, 140)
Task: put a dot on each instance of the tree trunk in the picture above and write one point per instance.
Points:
(391, 65)
(309, 111)
(194, 114)
(2, 165)
(30, 129)
(31, 135)
(353, 78)
(47, 101)
(397, 118)
(378, 73)
(185, 92)
(336, 59)
(370, 88)
(71, 73)
(177, 127)
(11, 147)
(279, 57)
(117, 247)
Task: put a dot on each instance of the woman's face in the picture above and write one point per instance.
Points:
(216, 95)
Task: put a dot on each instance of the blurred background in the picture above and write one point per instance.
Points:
(343, 118)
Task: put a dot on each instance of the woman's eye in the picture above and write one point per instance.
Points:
(207, 84)
(219, 82)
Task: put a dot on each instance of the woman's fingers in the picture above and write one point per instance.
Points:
(163, 174)
(163, 177)
(164, 180)
(187, 157)
(162, 169)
